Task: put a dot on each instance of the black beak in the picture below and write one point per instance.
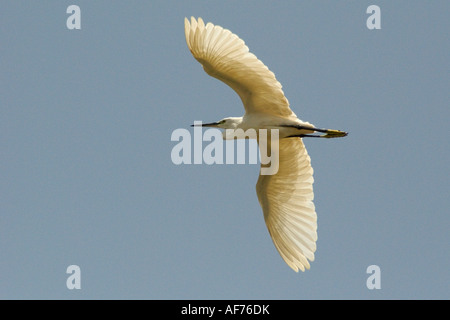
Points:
(212, 124)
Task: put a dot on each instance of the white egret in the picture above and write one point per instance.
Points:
(286, 197)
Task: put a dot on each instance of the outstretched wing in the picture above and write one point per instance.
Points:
(225, 56)
(286, 199)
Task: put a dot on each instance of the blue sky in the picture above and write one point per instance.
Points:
(86, 171)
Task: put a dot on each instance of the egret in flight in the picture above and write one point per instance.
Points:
(286, 197)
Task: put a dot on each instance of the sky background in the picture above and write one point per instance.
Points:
(86, 176)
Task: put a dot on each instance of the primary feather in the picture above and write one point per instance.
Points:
(287, 202)
(225, 56)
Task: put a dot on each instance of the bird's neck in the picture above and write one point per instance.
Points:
(237, 123)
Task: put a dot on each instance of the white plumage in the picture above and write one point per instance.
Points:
(286, 197)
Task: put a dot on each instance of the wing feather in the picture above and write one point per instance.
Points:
(286, 199)
(225, 56)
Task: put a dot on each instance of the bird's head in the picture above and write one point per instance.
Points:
(226, 123)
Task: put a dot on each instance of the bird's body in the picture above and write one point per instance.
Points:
(286, 197)
(286, 127)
